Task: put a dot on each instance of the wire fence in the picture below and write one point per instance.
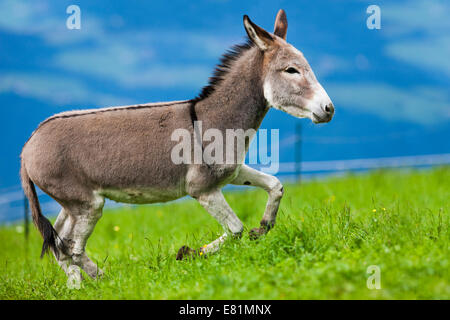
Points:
(367, 163)
(13, 204)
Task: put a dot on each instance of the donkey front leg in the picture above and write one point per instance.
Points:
(251, 177)
(214, 202)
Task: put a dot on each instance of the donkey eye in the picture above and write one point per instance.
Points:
(292, 70)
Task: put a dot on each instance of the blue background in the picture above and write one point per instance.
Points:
(390, 86)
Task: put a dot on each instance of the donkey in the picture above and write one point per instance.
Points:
(80, 158)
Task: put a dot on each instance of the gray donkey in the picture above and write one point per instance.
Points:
(80, 158)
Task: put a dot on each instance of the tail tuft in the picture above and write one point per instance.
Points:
(49, 235)
(44, 226)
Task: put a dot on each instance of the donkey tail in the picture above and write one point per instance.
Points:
(44, 226)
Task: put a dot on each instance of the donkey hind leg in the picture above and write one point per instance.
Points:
(84, 224)
(75, 224)
(62, 227)
(215, 203)
(273, 186)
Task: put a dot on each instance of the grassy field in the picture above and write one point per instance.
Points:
(328, 232)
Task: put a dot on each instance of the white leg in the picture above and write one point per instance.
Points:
(215, 245)
(63, 228)
(215, 203)
(60, 220)
(74, 226)
(251, 177)
(84, 224)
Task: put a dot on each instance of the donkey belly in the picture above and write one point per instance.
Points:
(141, 195)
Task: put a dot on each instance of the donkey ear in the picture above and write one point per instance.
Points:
(258, 35)
(281, 24)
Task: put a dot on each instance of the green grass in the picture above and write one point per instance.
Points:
(328, 232)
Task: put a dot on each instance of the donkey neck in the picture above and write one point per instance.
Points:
(237, 101)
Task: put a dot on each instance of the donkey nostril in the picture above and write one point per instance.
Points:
(329, 108)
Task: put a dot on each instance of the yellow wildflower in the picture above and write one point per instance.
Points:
(116, 228)
(374, 210)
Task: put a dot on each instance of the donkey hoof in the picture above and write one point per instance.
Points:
(256, 233)
(74, 277)
(97, 274)
(100, 274)
(186, 252)
(183, 252)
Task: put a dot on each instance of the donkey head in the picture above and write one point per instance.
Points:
(288, 81)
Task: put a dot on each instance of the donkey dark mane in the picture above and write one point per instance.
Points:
(223, 68)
